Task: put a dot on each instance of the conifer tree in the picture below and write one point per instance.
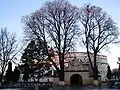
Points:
(9, 73)
(109, 72)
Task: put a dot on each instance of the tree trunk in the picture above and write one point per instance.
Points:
(61, 77)
(61, 72)
(39, 76)
(33, 77)
(95, 73)
(1, 77)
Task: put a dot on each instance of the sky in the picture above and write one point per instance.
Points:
(11, 12)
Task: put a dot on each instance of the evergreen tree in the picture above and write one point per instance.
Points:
(28, 55)
(16, 74)
(33, 54)
(109, 72)
(28, 59)
(9, 73)
(26, 72)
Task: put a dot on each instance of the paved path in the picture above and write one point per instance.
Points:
(81, 88)
(71, 88)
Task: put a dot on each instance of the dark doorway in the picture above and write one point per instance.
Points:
(76, 79)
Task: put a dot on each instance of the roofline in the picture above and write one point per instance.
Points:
(86, 53)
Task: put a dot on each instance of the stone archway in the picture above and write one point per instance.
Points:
(76, 79)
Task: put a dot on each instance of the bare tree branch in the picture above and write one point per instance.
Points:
(56, 21)
(7, 49)
(99, 31)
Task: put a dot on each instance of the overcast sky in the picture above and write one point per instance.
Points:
(11, 12)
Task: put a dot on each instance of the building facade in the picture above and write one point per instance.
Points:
(77, 72)
(82, 56)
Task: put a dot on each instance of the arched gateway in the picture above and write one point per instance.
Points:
(76, 79)
(77, 73)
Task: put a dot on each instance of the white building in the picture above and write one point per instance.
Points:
(101, 61)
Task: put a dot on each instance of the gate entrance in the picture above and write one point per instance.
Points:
(76, 79)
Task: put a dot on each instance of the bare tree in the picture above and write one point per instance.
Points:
(99, 30)
(8, 48)
(55, 22)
